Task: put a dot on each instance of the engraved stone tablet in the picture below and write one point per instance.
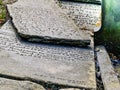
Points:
(9, 84)
(70, 66)
(86, 16)
(44, 21)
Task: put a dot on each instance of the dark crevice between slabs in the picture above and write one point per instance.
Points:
(46, 85)
(84, 1)
(99, 81)
(55, 41)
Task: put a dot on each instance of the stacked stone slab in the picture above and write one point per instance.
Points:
(44, 21)
(69, 66)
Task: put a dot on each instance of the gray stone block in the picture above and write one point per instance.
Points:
(69, 66)
(44, 21)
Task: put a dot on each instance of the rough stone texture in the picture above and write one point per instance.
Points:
(117, 70)
(108, 74)
(7, 26)
(45, 20)
(86, 16)
(7, 84)
(49, 63)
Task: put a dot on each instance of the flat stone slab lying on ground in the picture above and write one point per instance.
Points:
(44, 21)
(109, 77)
(70, 66)
(86, 16)
(9, 84)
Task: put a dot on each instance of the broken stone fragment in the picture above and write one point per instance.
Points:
(44, 18)
(108, 75)
(9, 84)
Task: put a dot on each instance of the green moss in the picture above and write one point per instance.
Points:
(1, 2)
(2, 12)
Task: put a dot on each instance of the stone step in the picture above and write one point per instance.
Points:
(68, 66)
(108, 74)
(44, 21)
(86, 16)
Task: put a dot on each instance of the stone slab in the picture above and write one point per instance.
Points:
(44, 21)
(70, 66)
(86, 16)
(9, 84)
(109, 78)
(8, 26)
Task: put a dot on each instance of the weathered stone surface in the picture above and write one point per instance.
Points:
(108, 75)
(44, 21)
(85, 16)
(49, 63)
(7, 84)
(8, 26)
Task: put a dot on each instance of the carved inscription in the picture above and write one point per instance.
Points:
(11, 43)
(50, 63)
(84, 15)
(37, 18)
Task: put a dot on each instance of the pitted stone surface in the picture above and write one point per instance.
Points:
(8, 84)
(108, 75)
(86, 16)
(44, 18)
(49, 63)
(7, 26)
